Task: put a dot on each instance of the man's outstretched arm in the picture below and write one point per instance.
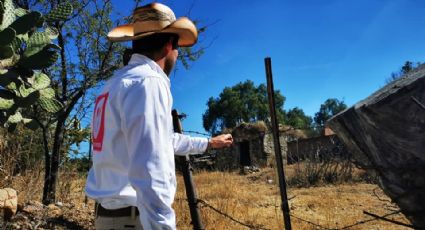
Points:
(184, 144)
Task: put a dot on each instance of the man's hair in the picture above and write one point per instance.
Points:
(153, 43)
(127, 56)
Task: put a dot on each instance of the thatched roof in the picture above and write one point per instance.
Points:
(249, 131)
(297, 133)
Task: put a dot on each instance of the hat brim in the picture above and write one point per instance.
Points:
(183, 27)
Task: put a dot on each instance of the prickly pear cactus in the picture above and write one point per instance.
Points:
(26, 48)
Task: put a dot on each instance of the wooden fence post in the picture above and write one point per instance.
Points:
(278, 152)
(184, 162)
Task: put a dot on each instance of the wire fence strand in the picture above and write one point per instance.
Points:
(250, 226)
(196, 132)
(260, 227)
(311, 223)
(352, 225)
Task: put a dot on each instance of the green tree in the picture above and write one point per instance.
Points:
(296, 118)
(91, 60)
(329, 108)
(30, 53)
(243, 102)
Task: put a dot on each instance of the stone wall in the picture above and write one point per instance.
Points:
(269, 148)
(261, 151)
(318, 148)
(227, 159)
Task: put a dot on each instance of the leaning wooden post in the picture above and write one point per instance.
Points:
(89, 165)
(184, 162)
(278, 152)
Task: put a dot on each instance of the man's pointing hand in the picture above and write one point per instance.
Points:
(221, 141)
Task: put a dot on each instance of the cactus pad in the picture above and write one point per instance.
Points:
(29, 100)
(24, 24)
(16, 44)
(8, 14)
(20, 12)
(24, 47)
(50, 105)
(47, 93)
(1, 12)
(43, 59)
(6, 52)
(6, 104)
(40, 81)
(5, 63)
(15, 118)
(60, 13)
(52, 32)
(7, 36)
(36, 43)
(24, 91)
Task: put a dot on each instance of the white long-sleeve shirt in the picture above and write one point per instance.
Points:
(134, 144)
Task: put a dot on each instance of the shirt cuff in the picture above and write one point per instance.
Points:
(200, 144)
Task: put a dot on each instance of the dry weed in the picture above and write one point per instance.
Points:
(251, 199)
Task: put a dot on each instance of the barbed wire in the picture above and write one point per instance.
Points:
(355, 224)
(391, 221)
(196, 132)
(250, 226)
(368, 220)
(260, 227)
(309, 222)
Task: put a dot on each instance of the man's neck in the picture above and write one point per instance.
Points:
(156, 58)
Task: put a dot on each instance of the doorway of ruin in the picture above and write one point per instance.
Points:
(245, 156)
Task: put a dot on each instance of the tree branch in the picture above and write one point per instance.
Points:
(63, 73)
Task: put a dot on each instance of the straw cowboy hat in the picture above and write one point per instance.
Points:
(155, 18)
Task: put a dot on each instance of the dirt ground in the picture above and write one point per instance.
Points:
(253, 200)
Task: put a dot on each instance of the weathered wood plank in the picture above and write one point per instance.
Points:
(386, 132)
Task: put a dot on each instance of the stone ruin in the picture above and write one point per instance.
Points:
(253, 147)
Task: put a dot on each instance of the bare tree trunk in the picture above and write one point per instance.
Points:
(55, 160)
(49, 195)
(47, 167)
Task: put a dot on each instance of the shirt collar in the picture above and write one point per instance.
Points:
(140, 59)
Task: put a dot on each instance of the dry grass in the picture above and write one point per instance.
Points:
(29, 185)
(252, 199)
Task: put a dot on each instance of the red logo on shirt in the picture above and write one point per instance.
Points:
(98, 124)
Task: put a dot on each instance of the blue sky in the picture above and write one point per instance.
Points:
(320, 49)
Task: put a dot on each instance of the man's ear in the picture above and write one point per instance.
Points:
(168, 47)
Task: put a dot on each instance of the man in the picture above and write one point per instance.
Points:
(133, 174)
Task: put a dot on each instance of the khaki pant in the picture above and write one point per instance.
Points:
(117, 223)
